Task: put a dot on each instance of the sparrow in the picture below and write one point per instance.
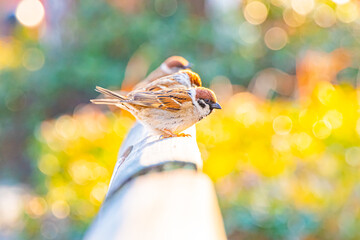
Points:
(165, 112)
(183, 79)
(170, 66)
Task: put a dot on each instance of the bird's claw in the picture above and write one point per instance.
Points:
(184, 135)
(175, 135)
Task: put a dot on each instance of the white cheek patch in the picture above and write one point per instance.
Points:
(203, 112)
(165, 68)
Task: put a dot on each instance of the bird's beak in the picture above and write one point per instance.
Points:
(215, 106)
(188, 66)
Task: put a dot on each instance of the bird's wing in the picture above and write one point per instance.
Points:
(170, 100)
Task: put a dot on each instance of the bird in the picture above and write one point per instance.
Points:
(165, 112)
(183, 79)
(170, 66)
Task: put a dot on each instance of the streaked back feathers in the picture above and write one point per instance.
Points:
(169, 100)
(183, 79)
(195, 79)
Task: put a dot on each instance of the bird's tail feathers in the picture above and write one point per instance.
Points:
(105, 101)
(113, 95)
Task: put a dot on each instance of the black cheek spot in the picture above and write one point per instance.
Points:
(202, 104)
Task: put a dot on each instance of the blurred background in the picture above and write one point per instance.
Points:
(284, 152)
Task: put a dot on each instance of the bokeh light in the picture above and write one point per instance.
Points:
(335, 118)
(98, 193)
(33, 59)
(36, 207)
(352, 156)
(325, 92)
(303, 7)
(322, 129)
(292, 18)
(255, 12)
(282, 125)
(249, 33)
(341, 1)
(222, 87)
(30, 13)
(67, 127)
(280, 143)
(348, 12)
(49, 164)
(281, 3)
(60, 209)
(324, 16)
(275, 38)
(302, 141)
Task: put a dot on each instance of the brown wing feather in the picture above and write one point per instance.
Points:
(170, 100)
(153, 88)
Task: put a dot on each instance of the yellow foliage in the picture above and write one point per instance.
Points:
(307, 153)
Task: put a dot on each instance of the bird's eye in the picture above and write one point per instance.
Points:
(202, 103)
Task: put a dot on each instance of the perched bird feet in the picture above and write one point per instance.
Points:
(174, 135)
(167, 134)
(183, 135)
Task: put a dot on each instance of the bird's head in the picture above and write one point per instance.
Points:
(174, 64)
(205, 101)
